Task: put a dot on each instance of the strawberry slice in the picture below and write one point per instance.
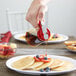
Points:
(11, 52)
(8, 50)
(38, 60)
(41, 57)
(46, 61)
(1, 47)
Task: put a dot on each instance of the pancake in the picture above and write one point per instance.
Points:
(36, 64)
(43, 66)
(22, 37)
(71, 48)
(23, 62)
(55, 39)
(67, 43)
(66, 66)
(56, 63)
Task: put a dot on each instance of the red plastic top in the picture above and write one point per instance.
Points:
(40, 33)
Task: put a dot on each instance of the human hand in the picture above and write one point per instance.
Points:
(36, 12)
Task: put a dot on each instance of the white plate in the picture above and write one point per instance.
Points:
(71, 50)
(10, 61)
(18, 35)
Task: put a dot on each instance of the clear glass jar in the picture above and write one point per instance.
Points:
(7, 51)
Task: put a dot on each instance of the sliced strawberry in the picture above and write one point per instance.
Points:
(7, 47)
(46, 61)
(8, 50)
(11, 52)
(46, 54)
(41, 57)
(5, 52)
(38, 60)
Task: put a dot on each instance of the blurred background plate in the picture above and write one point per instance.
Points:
(18, 35)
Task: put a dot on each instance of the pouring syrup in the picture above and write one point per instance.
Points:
(40, 38)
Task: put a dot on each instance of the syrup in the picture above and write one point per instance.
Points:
(46, 48)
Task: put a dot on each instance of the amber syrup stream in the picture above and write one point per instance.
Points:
(35, 42)
(46, 48)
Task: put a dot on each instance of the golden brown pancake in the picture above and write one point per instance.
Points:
(22, 37)
(71, 48)
(43, 66)
(23, 62)
(66, 66)
(34, 65)
(56, 63)
(69, 42)
(55, 39)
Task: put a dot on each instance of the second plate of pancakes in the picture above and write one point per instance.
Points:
(71, 46)
(62, 38)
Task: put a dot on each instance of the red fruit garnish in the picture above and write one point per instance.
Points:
(40, 33)
(38, 60)
(42, 58)
(9, 52)
(6, 50)
(46, 54)
(1, 47)
(46, 61)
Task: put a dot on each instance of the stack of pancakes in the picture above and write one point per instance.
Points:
(29, 63)
(71, 45)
